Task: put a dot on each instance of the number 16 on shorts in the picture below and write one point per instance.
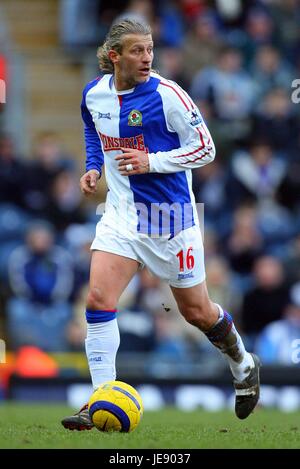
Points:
(186, 266)
(187, 254)
(186, 259)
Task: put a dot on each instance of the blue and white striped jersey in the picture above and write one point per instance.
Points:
(157, 117)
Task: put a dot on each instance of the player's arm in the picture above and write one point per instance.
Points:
(94, 154)
(184, 118)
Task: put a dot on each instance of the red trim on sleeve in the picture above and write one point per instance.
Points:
(180, 97)
(197, 128)
(196, 159)
(195, 151)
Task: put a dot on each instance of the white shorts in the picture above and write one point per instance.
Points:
(179, 261)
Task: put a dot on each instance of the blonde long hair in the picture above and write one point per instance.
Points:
(114, 38)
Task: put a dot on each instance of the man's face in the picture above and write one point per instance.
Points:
(133, 64)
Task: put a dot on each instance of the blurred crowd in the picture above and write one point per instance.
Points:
(237, 59)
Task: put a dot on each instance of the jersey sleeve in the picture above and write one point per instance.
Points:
(94, 154)
(183, 117)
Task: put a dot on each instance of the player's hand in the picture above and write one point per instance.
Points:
(88, 182)
(138, 159)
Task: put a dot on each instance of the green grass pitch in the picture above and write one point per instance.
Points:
(38, 426)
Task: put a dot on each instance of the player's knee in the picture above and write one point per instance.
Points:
(198, 317)
(98, 299)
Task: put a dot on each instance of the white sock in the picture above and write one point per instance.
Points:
(240, 370)
(101, 345)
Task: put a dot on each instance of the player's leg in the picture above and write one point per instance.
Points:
(197, 308)
(188, 284)
(109, 276)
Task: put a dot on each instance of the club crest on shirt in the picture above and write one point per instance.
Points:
(135, 118)
(193, 117)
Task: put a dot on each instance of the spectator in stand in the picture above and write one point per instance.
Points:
(202, 44)
(11, 173)
(277, 120)
(49, 160)
(41, 280)
(78, 238)
(244, 244)
(287, 19)
(266, 301)
(233, 15)
(260, 30)
(192, 9)
(227, 86)
(255, 173)
(64, 206)
(276, 225)
(171, 24)
(288, 192)
(80, 25)
(275, 343)
(209, 186)
(291, 261)
(270, 70)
